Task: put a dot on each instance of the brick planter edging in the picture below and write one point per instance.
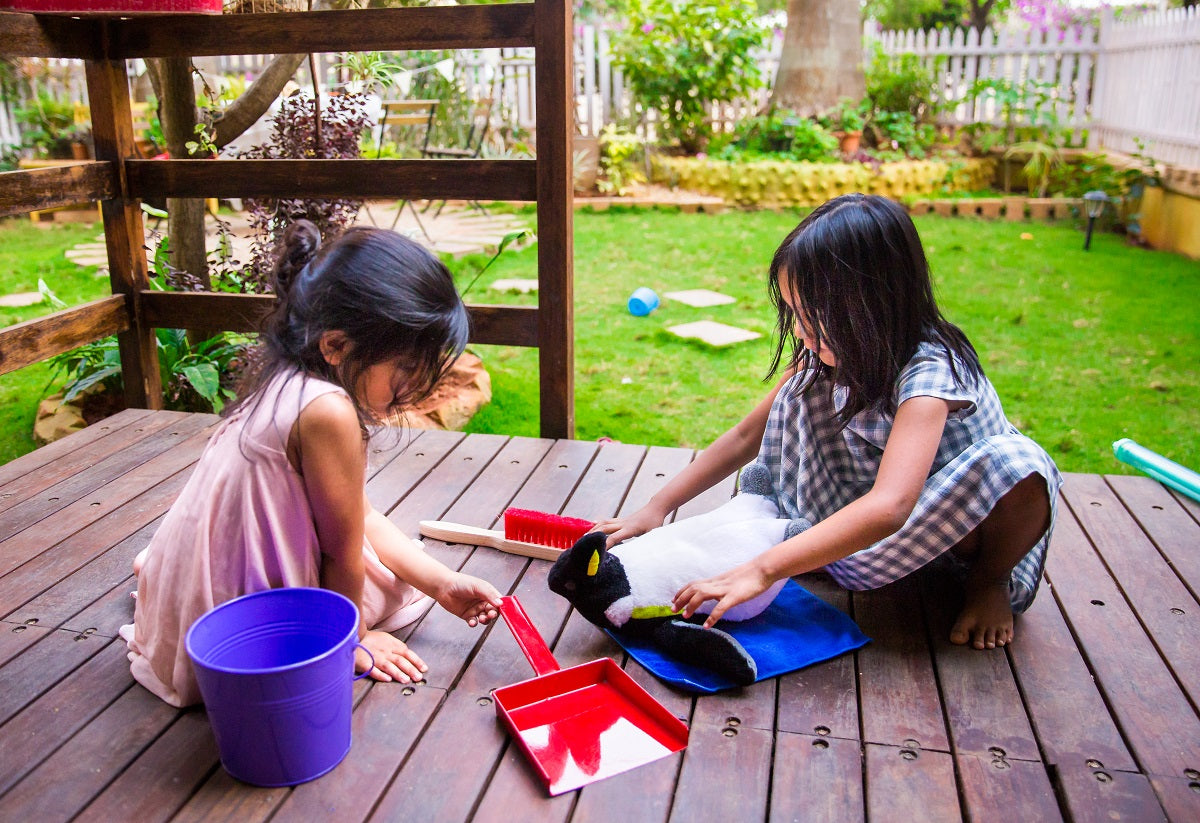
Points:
(1010, 208)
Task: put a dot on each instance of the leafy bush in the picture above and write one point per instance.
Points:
(780, 134)
(49, 124)
(901, 83)
(194, 378)
(901, 106)
(900, 133)
(678, 57)
(294, 135)
(617, 169)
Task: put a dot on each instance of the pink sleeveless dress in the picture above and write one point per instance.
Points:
(241, 524)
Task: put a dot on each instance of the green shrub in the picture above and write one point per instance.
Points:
(780, 135)
(678, 57)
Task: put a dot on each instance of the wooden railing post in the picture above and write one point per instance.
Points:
(555, 97)
(112, 128)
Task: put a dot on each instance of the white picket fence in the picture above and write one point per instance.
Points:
(1148, 87)
(1121, 82)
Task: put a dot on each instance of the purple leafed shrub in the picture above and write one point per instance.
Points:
(294, 135)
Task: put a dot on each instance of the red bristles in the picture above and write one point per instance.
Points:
(545, 529)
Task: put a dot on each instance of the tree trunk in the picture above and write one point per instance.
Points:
(185, 225)
(981, 10)
(242, 113)
(822, 56)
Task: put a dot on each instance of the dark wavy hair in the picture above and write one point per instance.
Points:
(390, 297)
(857, 269)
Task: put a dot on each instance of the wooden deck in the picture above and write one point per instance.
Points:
(1090, 715)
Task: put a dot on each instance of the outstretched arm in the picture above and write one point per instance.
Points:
(907, 459)
(471, 598)
(728, 453)
(326, 447)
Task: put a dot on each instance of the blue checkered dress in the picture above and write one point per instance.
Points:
(817, 467)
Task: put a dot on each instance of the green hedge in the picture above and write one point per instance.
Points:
(777, 184)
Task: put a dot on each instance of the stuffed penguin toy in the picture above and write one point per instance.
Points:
(629, 588)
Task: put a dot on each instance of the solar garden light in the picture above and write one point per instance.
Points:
(1093, 204)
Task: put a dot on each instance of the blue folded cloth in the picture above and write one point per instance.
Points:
(796, 630)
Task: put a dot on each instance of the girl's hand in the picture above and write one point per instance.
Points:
(474, 600)
(729, 589)
(623, 528)
(394, 660)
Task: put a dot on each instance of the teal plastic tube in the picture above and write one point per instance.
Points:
(1165, 471)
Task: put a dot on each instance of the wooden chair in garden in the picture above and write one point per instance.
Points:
(480, 123)
(416, 116)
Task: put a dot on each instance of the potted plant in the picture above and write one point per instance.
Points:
(846, 121)
(49, 126)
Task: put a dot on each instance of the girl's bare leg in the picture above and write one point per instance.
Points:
(993, 548)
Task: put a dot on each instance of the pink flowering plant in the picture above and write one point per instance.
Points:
(679, 57)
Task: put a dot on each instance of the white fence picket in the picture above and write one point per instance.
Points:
(1120, 82)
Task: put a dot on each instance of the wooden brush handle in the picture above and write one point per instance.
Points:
(475, 536)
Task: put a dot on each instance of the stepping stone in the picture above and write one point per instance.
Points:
(700, 297)
(25, 298)
(517, 285)
(712, 333)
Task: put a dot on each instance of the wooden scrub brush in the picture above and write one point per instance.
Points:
(526, 532)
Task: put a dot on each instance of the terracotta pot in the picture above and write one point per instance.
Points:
(849, 141)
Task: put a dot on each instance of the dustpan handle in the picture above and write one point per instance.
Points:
(527, 636)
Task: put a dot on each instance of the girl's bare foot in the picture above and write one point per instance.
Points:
(986, 619)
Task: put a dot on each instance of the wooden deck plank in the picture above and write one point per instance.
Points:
(1180, 797)
(79, 443)
(53, 656)
(75, 602)
(1068, 713)
(907, 726)
(719, 752)
(1101, 795)
(386, 725)
(816, 778)
(16, 637)
(411, 465)
(1163, 604)
(982, 703)
(822, 700)
(449, 788)
(1166, 522)
(76, 772)
(64, 705)
(1158, 723)
(69, 556)
(909, 784)
(85, 453)
(897, 686)
(158, 440)
(158, 782)
(151, 461)
(997, 788)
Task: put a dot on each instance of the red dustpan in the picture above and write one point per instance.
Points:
(585, 723)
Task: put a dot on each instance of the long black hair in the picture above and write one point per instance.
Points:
(856, 268)
(390, 297)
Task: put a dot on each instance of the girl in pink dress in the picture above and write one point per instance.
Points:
(364, 326)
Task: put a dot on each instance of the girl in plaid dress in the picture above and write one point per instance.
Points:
(884, 443)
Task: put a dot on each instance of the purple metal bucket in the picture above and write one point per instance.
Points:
(275, 669)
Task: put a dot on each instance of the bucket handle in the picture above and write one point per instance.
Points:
(368, 670)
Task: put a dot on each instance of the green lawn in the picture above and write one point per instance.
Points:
(29, 251)
(1084, 347)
